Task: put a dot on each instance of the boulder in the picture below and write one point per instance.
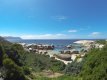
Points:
(75, 52)
(66, 57)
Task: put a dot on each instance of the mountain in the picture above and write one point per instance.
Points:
(10, 38)
(3, 41)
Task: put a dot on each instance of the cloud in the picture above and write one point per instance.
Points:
(73, 30)
(45, 36)
(95, 34)
(59, 18)
(8, 34)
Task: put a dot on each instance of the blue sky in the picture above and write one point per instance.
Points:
(53, 19)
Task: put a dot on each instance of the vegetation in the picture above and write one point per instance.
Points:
(13, 71)
(43, 62)
(10, 62)
(65, 77)
(17, 64)
(74, 68)
(95, 67)
(15, 60)
(101, 42)
(4, 42)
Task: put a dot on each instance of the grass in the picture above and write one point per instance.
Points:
(65, 77)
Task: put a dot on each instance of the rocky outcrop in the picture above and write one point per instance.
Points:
(69, 52)
(36, 47)
(75, 52)
(66, 57)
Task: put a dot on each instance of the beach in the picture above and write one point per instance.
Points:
(63, 50)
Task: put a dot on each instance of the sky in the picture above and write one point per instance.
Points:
(54, 19)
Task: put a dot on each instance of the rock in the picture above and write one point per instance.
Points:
(53, 58)
(66, 57)
(62, 52)
(75, 52)
(67, 52)
(45, 52)
(69, 46)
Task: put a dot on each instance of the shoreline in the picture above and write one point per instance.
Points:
(67, 55)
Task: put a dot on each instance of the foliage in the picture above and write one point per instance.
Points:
(12, 70)
(95, 67)
(15, 64)
(10, 61)
(4, 42)
(74, 68)
(57, 65)
(101, 42)
(65, 77)
(26, 70)
(1, 55)
(40, 62)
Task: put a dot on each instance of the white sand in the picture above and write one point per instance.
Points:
(84, 41)
(66, 62)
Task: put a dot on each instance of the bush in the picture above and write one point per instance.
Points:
(13, 72)
(57, 65)
(26, 70)
(95, 66)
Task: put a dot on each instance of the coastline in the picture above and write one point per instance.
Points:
(62, 50)
(72, 52)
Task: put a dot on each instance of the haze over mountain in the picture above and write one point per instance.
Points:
(10, 37)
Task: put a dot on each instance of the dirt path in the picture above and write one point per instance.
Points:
(48, 74)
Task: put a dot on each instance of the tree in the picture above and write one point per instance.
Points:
(13, 72)
(57, 65)
(1, 55)
(101, 42)
(95, 66)
(74, 68)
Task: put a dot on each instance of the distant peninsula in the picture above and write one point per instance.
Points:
(9, 38)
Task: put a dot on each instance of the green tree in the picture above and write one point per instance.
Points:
(95, 66)
(57, 65)
(13, 72)
(101, 42)
(2, 52)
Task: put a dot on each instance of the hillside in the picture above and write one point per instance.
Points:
(95, 66)
(11, 39)
(17, 64)
(4, 41)
(30, 66)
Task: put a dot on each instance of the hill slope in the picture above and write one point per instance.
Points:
(3, 41)
(95, 66)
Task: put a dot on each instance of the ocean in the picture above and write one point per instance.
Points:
(45, 41)
(60, 44)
